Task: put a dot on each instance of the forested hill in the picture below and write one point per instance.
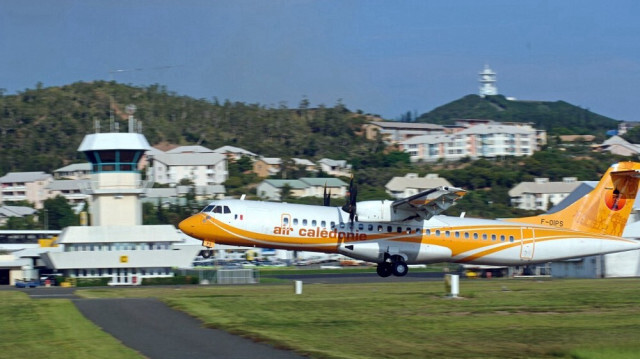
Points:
(41, 129)
(558, 118)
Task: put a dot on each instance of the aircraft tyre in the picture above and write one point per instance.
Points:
(206, 254)
(398, 267)
(383, 269)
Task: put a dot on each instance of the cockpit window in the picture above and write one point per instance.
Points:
(207, 209)
(226, 209)
(217, 209)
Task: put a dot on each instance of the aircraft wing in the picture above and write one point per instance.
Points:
(428, 203)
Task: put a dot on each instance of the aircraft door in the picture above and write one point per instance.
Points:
(527, 243)
(285, 220)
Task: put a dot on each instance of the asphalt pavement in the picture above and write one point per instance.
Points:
(159, 332)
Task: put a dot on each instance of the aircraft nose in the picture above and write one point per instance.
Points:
(190, 225)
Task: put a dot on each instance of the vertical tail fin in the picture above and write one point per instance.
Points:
(604, 210)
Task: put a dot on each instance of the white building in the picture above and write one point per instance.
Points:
(73, 171)
(336, 168)
(202, 168)
(25, 186)
(395, 132)
(235, 153)
(72, 190)
(271, 189)
(537, 195)
(125, 254)
(481, 140)
(411, 183)
(7, 212)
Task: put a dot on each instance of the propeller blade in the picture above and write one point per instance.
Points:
(327, 198)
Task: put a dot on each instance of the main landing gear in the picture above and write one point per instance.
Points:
(392, 265)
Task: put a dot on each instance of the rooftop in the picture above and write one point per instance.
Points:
(114, 141)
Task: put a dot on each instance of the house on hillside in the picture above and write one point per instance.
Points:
(271, 189)
(73, 171)
(618, 146)
(200, 167)
(537, 195)
(336, 168)
(74, 191)
(411, 183)
(395, 132)
(480, 140)
(267, 166)
(25, 186)
(7, 212)
(235, 153)
(305, 164)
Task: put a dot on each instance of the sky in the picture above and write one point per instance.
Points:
(378, 56)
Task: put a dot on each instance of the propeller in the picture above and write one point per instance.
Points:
(327, 197)
(350, 206)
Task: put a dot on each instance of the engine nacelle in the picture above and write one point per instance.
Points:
(413, 253)
(380, 211)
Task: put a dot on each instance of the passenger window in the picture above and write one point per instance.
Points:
(304, 222)
(493, 237)
(428, 232)
(510, 238)
(399, 229)
(370, 227)
(408, 230)
(457, 234)
(333, 224)
(360, 226)
(389, 229)
(447, 234)
(475, 236)
(314, 223)
(502, 238)
(380, 228)
(466, 235)
(285, 220)
(484, 236)
(341, 224)
(295, 221)
(323, 224)
(418, 230)
(437, 233)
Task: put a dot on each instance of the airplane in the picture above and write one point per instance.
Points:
(411, 230)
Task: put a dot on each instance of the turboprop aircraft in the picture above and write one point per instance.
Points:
(394, 234)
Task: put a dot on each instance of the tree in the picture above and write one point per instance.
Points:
(58, 213)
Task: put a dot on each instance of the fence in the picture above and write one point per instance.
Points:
(223, 276)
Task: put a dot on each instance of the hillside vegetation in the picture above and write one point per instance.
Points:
(557, 118)
(41, 129)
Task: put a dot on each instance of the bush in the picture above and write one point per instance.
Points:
(92, 282)
(179, 279)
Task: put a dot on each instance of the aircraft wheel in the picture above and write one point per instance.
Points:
(399, 268)
(383, 270)
(206, 254)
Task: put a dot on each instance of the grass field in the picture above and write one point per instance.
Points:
(51, 328)
(495, 319)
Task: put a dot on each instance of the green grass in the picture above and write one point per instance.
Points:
(495, 319)
(51, 328)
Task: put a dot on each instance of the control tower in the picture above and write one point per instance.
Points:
(487, 81)
(115, 185)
